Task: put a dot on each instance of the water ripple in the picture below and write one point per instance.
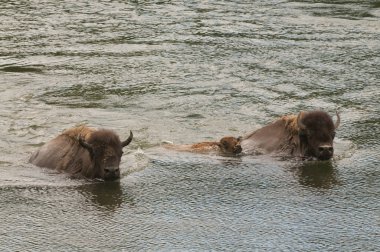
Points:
(185, 72)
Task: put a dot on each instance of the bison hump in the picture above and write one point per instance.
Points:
(80, 131)
(62, 153)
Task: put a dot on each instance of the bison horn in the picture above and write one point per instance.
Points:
(128, 141)
(86, 145)
(301, 126)
(337, 123)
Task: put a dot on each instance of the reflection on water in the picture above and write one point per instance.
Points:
(107, 195)
(318, 174)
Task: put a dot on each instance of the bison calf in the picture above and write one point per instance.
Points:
(226, 145)
(83, 152)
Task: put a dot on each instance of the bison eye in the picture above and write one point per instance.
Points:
(303, 133)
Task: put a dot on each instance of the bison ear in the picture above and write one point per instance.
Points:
(300, 125)
(87, 146)
(128, 141)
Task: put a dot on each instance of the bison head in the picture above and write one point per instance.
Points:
(230, 145)
(105, 150)
(316, 133)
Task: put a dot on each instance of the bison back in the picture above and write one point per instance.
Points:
(267, 139)
(62, 153)
(203, 147)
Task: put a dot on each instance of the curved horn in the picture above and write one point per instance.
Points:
(299, 121)
(337, 123)
(86, 145)
(128, 141)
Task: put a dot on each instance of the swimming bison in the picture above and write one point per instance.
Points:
(306, 135)
(83, 152)
(226, 145)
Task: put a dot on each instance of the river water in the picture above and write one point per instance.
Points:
(190, 71)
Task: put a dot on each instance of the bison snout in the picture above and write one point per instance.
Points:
(325, 152)
(237, 149)
(111, 173)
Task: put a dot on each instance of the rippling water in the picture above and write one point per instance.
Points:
(187, 72)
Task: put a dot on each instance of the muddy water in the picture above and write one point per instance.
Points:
(186, 72)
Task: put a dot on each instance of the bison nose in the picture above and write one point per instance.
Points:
(111, 173)
(238, 148)
(325, 151)
(111, 170)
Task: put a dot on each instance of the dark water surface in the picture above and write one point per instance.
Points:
(188, 71)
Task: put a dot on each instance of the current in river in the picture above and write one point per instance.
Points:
(185, 72)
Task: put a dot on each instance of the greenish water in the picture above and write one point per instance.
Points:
(188, 71)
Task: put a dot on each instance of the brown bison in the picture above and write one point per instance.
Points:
(308, 134)
(83, 152)
(226, 145)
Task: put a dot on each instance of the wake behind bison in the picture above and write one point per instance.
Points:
(83, 152)
(306, 135)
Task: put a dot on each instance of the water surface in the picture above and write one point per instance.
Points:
(187, 71)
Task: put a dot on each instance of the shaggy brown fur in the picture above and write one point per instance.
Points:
(83, 152)
(82, 131)
(291, 123)
(226, 145)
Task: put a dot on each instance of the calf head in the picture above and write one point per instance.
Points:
(316, 133)
(105, 150)
(230, 145)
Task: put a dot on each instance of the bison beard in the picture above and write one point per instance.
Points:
(83, 152)
(308, 134)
